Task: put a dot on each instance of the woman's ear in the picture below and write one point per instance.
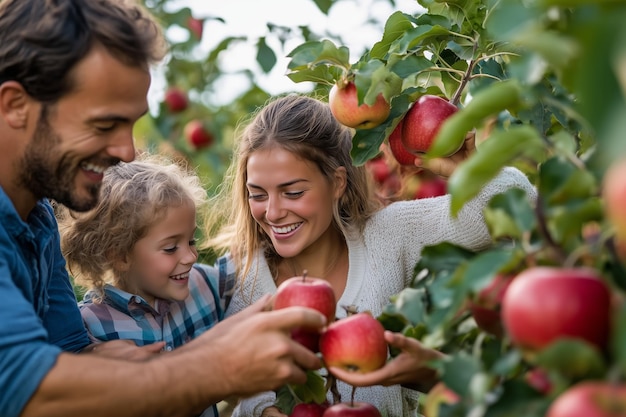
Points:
(15, 104)
(341, 181)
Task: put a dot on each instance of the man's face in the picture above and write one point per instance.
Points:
(85, 132)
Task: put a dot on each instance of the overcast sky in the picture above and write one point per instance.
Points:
(249, 18)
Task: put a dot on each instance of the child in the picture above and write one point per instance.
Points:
(136, 254)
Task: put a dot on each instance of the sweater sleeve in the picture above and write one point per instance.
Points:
(254, 406)
(408, 226)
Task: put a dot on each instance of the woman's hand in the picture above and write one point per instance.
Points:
(409, 368)
(444, 167)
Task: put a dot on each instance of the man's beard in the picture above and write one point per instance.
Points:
(48, 175)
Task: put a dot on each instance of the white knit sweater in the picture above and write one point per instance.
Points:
(381, 265)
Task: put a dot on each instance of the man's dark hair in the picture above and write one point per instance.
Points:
(42, 40)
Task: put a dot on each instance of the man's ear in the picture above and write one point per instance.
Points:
(15, 104)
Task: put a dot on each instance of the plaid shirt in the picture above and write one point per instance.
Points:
(122, 315)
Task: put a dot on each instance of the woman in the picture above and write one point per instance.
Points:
(296, 202)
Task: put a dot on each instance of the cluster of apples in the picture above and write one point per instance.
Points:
(536, 308)
(413, 135)
(355, 343)
(194, 131)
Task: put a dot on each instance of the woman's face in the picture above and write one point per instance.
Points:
(290, 199)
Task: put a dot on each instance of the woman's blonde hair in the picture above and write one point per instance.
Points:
(134, 196)
(306, 127)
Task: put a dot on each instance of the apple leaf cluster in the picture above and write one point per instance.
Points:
(542, 85)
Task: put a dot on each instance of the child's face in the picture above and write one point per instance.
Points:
(290, 199)
(159, 264)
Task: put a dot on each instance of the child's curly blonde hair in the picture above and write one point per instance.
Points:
(134, 196)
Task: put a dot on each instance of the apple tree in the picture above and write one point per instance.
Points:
(543, 85)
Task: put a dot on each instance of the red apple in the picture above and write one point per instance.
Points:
(543, 304)
(352, 409)
(176, 100)
(439, 394)
(305, 291)
(422, 123)
(399, 152)
(590, 399)
(485, 307)
(355, 343)
(614, 193)
(308, 410)
(379, 169)
(196, 26)
(432, 186)
(539, 380)
(197, 135)
(344, 105)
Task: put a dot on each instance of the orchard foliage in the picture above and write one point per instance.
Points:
(543, 85)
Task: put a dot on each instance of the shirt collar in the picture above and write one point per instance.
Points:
(132, 304)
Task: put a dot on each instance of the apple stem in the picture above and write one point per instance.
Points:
(304, 273)
(352, 396)
(466, 77)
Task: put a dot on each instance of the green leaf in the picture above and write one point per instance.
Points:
(443, 257)
(323, 5)
(510, 214)
(409, 303)
(572, 358)
(458, 372)
(483, 267)
(395, 27)
(618, 337)
(312, 391)
(265, 56)
(518, 399)
(499, 150)
(314, 53)
(489, 101)
(560, 181)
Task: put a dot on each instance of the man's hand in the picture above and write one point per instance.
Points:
(255, 350)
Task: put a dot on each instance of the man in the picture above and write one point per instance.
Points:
(74, 75)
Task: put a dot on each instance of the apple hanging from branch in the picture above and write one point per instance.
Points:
(543, 304)
(176, 100)
(305, 291)
(309, 410)
(590, 399)
(344, 105)
(197, 135)
(398, 150)
(423, 121)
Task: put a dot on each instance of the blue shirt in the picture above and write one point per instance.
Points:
(39, 317)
